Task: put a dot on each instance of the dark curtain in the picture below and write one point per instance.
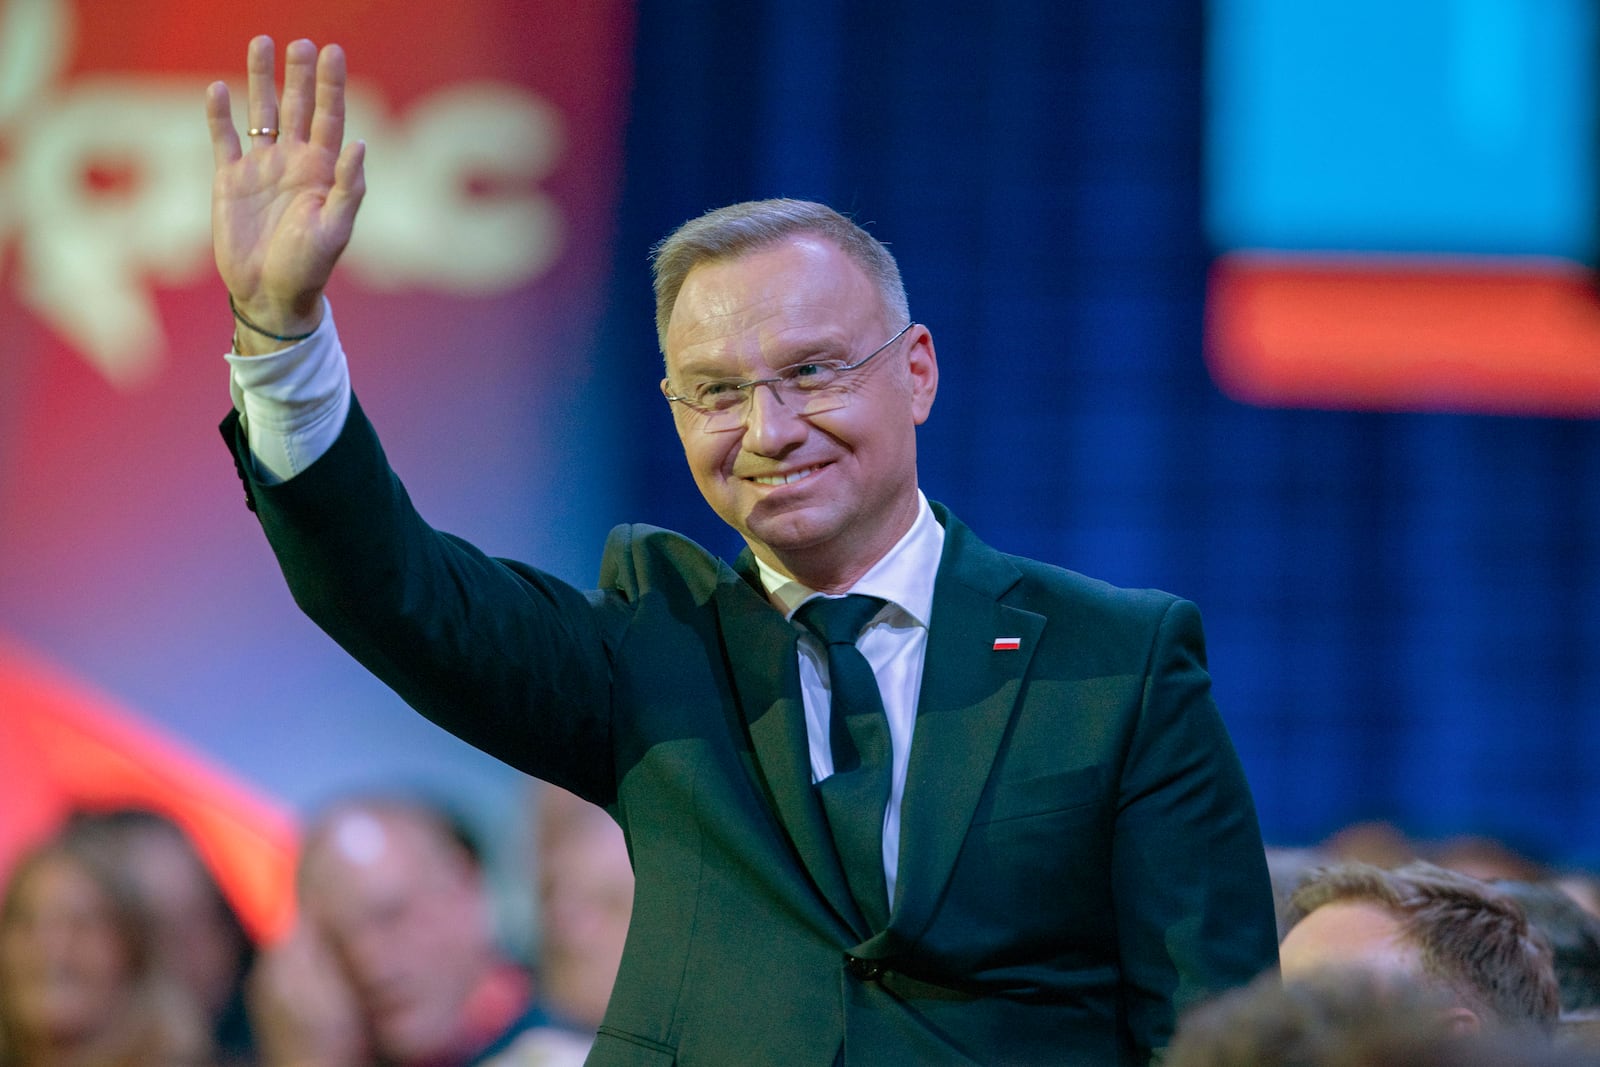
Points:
(1401, 609)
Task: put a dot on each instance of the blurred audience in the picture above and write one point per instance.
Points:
(585, 884)
(118, 948)
(198, 937)
(1561, 905)
(1348, 1018)
(1440, 929)
(81, 981)
(394, 959)
(1378, 843)
(1383, 844)
(1582, 886)
(1484, 858)
(1581, 1033)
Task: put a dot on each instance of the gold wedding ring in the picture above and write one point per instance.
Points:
(263, 131)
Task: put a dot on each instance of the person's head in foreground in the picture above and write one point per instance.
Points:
(1443, 931)
(1349, 1018)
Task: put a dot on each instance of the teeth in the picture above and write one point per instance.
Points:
(783, 479)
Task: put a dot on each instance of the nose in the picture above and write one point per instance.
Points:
(771, 427)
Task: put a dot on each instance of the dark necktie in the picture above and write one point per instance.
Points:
(855, 796)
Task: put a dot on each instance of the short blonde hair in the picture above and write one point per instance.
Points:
(1475, 940)
(739, 229)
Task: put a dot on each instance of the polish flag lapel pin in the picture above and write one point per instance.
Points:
(1007, 644)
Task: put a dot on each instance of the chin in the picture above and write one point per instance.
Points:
(408, 1044)
(786, 540)
(790, 530)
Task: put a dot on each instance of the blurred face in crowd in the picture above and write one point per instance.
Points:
(197, 944)
(828, 493)
(407, 916)
(585, 900)
(66, 971)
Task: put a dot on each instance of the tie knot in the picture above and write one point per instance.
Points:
(838, 620)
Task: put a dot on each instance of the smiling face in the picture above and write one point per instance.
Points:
(819, 497)
(64, 964)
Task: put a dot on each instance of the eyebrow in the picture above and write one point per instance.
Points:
(812, 351)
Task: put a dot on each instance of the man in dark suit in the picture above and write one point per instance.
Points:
(991, 817)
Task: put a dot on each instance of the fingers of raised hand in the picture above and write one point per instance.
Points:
(263, 102)
(327, 123)
(299, 89)
(219, 120)
(312, 107)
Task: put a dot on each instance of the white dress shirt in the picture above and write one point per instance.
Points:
(895, 643)
(293, 404)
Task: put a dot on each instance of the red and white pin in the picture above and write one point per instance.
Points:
(1007, 644)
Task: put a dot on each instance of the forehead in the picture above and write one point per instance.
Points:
(361, 852)
(1353, 933)
(802, 292)
(57, 885)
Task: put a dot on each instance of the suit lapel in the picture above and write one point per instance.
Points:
(762, 655)
(970, 684)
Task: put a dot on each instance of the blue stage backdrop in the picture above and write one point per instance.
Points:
(1401, 607)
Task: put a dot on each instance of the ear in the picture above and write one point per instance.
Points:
(1463, 1021)
(924, 370)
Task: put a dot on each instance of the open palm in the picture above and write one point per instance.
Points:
(282, 212)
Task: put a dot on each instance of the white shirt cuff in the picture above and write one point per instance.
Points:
(293, 402)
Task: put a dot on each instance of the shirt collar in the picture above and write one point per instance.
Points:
(904, 576)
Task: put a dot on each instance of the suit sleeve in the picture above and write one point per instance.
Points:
(1189, 877)
(506, 657)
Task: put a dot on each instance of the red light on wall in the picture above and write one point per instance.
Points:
(1493, 335)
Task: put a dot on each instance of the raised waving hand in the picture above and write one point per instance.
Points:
(282, 210)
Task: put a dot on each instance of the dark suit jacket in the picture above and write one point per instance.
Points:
(1079, 853)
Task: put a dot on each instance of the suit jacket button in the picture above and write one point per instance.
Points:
(866, 970)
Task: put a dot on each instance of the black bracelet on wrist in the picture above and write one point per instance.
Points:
(264, 333)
